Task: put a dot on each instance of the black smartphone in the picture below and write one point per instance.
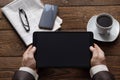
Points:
(48, 17)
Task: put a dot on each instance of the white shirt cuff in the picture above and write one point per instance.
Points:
(29, 70)
(97, 68)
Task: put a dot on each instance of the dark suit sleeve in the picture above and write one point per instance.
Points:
(103, 75)
(23, 75)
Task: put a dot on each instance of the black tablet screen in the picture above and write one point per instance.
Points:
(63, 49)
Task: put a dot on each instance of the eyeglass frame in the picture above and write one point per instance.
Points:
(26, 26)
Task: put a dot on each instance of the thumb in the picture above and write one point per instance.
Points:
(91, 48)
(32, 51)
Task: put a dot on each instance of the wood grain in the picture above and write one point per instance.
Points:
(75, 18)
(116, 72)
(6, 74)
(82, 2)
(10, 44)
(75, 15)
(10, 62)
(78, 17)
(13, 46)
(52, 78)
(72, 2)
(4, 22)
(4, 2)
(5, 78)
(15, 62)
(57, 73)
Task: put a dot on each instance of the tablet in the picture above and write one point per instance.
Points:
(63, 49)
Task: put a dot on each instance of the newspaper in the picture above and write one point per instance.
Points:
(33, 9)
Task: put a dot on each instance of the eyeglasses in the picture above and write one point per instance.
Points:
(24, 20)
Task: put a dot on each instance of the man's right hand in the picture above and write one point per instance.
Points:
(98, 57)
(28, 58)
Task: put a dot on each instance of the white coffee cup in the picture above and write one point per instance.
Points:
(104, 22)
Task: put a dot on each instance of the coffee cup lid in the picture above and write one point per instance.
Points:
(114, 32)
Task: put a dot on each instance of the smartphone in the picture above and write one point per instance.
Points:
(48, 17)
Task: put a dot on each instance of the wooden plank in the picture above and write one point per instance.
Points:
(5, 78)
(11, 44)
(116, 72)
(4, 23)
(52, 78)
(60, 78)
(10, 62)
(113, 48)
(76, 17)
(72, 2)
(64, 72)
(6, 74)
(15, 62)
(58, 73)
(113, 61)
(114, 66)
(4, 2)
(81, 2)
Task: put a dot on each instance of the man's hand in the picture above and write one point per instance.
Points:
(28, 58)
(98, 57)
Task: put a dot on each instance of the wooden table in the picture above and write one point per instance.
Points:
(75, 15)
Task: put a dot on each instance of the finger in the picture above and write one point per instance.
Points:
(94, 52)
(91, 48)
(28, 49)
(101, 54)
(98, 48)
(32, 50)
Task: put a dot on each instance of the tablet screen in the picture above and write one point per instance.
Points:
(63, 49)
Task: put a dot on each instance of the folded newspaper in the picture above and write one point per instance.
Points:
(33, 9)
